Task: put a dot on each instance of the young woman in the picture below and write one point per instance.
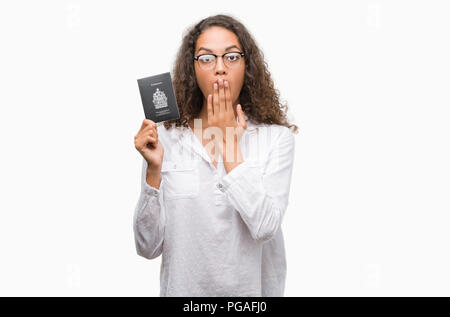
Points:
(215, 182)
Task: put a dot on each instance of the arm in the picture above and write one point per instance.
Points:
(149, 216)
(262, 198)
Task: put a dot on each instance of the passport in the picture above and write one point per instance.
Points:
(158, 97)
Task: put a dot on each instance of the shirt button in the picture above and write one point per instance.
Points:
(219, 186)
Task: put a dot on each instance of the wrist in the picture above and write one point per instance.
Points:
(153, 167)
(153, 176)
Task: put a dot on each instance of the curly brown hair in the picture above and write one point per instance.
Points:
(259, 99)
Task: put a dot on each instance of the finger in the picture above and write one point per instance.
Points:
(228, 102)
(216, 99)
(241, 118)
(148, 128)
(144, 124)
(147, 122)
(151, 133)
(143, 140)
(151, 140)
(210, 108)
(155, 130)
(222, 97)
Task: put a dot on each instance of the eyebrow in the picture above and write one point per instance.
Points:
(209, 50)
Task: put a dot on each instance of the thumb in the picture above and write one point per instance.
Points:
(241, 117)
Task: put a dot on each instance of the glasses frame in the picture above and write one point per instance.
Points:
(218, 55)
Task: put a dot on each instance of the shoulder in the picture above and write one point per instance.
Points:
(274, 133)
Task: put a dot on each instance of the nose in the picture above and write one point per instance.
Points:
(220, 66)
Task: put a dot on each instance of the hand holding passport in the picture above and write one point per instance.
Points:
(158, 99)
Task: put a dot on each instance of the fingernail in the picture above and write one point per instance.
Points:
(220, 82)
(215, 86)
(225, 83)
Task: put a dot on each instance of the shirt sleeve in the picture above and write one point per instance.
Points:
(260, 193)
(149, 219)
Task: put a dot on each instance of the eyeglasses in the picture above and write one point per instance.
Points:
(208, 61)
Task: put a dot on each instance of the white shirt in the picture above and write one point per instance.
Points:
(219, 234)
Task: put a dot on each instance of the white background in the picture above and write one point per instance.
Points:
(367, 83)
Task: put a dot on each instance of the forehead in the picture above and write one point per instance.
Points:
(217, 39)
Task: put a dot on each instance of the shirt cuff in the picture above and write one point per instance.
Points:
(150, 190)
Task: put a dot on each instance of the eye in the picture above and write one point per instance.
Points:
(206, 58)
(232, 57)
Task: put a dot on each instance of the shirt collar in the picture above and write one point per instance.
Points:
(176, 132)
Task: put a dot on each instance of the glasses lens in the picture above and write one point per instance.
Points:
(232, 59)
(207, 61)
